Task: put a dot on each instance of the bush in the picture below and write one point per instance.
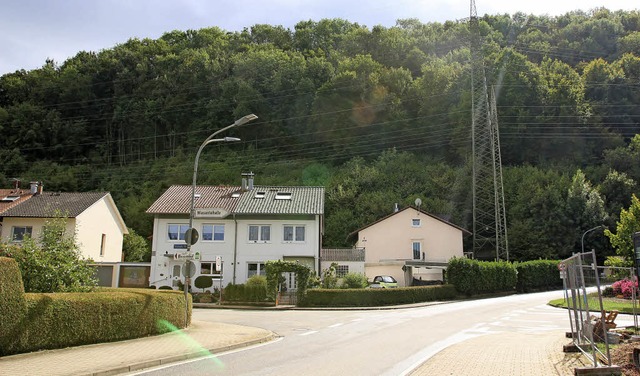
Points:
(354, 281)
(12, 301)
(538, 275)
(624, 287)
(203, 282)
(376, 297)
(71, 319)
(255, 290)
(479, 277)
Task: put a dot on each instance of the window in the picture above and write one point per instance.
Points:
(283, 196)
(416, 250)
(293, 233)
(415, 222)
(10, 198)
(260, 194)
(255, 268)
(176, 231)
(259, 233)
(342, 270)
(213, 233)
(19, 232)
(103, 244)
(209, 268)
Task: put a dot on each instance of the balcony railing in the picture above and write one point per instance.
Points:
(342, 254)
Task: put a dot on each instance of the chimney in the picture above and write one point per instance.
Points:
(40, 187)
(247, 181)
(16, 184)
(34, 187)
(395, 208)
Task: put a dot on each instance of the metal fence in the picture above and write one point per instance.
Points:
(587, 316)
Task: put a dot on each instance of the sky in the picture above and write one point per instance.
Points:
(31, 31)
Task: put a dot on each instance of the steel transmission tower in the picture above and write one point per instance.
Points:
(489, 217)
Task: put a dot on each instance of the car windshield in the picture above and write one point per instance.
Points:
(388, 279)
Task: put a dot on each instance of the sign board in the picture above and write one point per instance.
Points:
(183, 256)
(218, 263)
(210, 213)
(191, 236)
(179, 246)
(196, 256)
(189, 269)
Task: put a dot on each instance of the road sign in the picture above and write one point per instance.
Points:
(189, 269)
(218, 263)
(183, 256)
(191, 236)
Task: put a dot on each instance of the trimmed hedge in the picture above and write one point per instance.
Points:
(376, 297)
(538, 275)
(472, 277)
(12, 302)
(70, 319)
(244, 293)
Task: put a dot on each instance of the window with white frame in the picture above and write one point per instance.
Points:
(415, 222)
(293, 233)
(213, 232)
(417, 248)
(19, 232)
(209, 268)
(261, 233)
(255, 268)
(342, 270)
(176, 231)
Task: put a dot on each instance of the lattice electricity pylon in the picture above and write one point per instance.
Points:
(489, 216)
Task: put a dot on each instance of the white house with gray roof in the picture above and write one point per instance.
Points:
(242, 226)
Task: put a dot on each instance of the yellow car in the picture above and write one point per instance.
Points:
(384, 282)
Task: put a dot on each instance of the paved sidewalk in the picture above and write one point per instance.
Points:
(200, 339)
(505, 353)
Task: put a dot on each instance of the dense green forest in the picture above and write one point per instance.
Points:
(376, 115)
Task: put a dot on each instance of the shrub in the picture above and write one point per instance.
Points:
(376, 297)
(624, 287)
(12, 301)
(479, 277)
(256, 291)
(203, 282)
(71, 319)
(354, 281)
(538, 275)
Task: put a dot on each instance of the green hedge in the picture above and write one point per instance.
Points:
(244, 293)
(538, 275)
(12, 302)
(70, 319)
(376, 297)
(472, 277)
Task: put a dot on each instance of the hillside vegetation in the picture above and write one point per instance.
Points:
(376, 115)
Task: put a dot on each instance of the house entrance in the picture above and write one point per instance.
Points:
(288, 289)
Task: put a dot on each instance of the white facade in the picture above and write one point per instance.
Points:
(243, 241)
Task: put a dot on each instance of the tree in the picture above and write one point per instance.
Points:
(628, 224)
(53, 262)
(135, 247)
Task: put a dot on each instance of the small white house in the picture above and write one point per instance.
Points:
(410, 244)
(240, 229)
(93, 216)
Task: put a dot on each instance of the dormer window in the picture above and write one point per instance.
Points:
(283, 196)
(260, 194)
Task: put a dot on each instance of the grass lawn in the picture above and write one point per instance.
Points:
(609, 304)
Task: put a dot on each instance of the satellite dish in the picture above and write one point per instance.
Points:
(418, 202)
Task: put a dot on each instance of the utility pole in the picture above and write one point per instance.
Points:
(489, 216)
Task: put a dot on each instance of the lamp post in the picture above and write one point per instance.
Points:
(585, 233)
(192, 235)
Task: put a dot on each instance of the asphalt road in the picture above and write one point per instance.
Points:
(368, 342)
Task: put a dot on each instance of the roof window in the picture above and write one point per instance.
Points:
(10, 198)
(235, 195)
(283, 196)
(260, 194)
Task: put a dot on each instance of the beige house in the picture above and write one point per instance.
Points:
(410, 244)
(92, 215)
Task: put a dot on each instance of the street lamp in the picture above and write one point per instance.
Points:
(192, 236)
(585, 233)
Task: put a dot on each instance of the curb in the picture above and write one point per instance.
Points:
(177, 358)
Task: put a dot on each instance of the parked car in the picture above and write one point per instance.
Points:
(384, 282)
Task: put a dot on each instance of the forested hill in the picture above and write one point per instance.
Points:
(377, 115)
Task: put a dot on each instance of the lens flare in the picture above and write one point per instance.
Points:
(166, 326)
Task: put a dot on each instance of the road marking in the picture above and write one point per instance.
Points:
(310, 332)
(336, 325)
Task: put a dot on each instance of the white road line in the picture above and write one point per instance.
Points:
(336, 325)
(310, 332)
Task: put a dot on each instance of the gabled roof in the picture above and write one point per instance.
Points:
(44, 205)
(414, 208)
(282, 200)
(177, 199)
(259, 200)
(12, 197)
